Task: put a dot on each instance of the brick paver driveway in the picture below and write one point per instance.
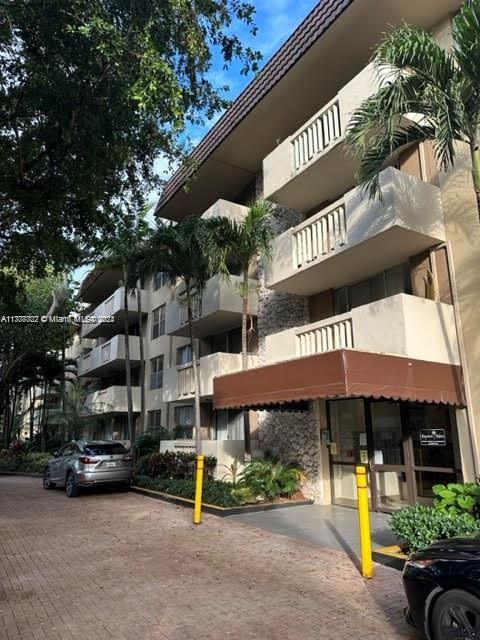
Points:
(110, 565)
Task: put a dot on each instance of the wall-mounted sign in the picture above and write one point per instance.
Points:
(364, 456)
(325, 436)
(433, 438)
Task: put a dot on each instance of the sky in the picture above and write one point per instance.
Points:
(276, 20)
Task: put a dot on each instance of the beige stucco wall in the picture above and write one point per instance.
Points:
(463, 234)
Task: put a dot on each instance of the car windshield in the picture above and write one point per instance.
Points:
(106, 449)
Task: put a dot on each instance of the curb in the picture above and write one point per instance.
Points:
(21, 473)
(223, 512)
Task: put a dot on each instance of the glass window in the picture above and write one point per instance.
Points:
(158, 322)
(184, 354)
(106, 449)
(183, 416)
(159, 280)
(156, 372)
(348, 432)
(155, 419)
(384, 284)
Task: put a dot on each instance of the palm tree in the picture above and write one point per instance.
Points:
(426, 93)
(117, 253)
(179, 251)
(243, 243)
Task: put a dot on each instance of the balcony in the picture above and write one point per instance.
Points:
(110, 315)
(356, 237)
(226, 209)
(218, 309)
(312, 164)
(401, 325)
(178, 381)
(111, 400)
(109, 357)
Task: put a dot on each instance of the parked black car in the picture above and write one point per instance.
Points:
(442, 583)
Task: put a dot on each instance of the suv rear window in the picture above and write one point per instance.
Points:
(105, 449)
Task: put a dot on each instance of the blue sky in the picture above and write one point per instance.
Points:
(276, 20)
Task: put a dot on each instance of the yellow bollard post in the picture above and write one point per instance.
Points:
(197, 510)
(364, 523)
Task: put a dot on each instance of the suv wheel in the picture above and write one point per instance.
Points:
(71, 486)
(47, 483)
(456, 614)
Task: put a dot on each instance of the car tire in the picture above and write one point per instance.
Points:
(47, 482)
(71, 488)
(455, 609)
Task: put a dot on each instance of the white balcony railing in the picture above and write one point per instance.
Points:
(316, 136)
(402, 324)
(320, 235)
(337, 334)
(355, 237)
(185, 381)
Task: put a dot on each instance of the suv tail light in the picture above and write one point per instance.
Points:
(128, 459)
(87, 460)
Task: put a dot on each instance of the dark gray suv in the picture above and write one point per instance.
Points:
(82, 463)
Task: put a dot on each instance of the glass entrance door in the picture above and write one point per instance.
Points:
(389, 459)
(407, 447)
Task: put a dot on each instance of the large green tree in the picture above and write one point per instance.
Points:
(91, 92)
(427, 93)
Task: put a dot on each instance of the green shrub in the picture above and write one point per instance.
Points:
(418, 526)
(12, 460)
(214, 491)
(172, 465)
(268, 479)
(458, 498)
(149, 441)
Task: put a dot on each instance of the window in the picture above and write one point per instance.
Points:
(155, 419)
(184, 354)
(183, 421)
(385, 284)
(159, 280)
(158, 322)
(108, 449)
(156, 372)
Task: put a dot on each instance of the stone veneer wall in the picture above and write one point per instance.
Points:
(292, 436)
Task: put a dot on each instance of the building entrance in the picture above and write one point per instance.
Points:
(407, 447)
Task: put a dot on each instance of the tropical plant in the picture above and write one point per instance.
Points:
(417, 526)
(426, 93)
(171, 464)
(240, 243)
(179, 250)
(268, 479)
(457, 498)
(118, 252)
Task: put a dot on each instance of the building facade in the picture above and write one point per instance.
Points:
(366, 332)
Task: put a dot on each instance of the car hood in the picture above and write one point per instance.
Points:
(461, 547)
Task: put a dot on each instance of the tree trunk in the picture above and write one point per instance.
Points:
(196, 382)
(128, 373)
(142, 357)
(42, 421)
(62, 383)
(475, 153)
(246, 421)
(32, 411)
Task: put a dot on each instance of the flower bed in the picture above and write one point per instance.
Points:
(262, 481)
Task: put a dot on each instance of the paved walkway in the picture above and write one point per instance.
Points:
(331, 526)
(123, 566)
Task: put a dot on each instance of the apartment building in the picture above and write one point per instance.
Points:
(367, 333)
